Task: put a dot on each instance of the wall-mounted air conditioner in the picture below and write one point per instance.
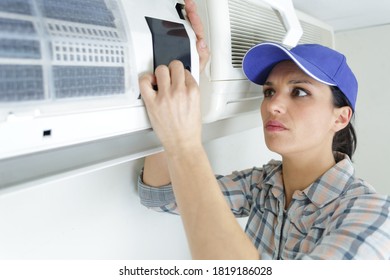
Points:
(69, 69)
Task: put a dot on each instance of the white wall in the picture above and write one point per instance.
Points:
(90, 216)
(368, 54)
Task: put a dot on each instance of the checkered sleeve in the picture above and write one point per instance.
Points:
(160, 199)
(358, 229)
(236, 188)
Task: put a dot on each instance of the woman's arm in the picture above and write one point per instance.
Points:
(174, 111)
(156, 172)
(211, 228)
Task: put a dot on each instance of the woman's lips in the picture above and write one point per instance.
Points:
(274, 126)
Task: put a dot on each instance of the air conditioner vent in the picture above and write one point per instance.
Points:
(251, 25)
(315, 34)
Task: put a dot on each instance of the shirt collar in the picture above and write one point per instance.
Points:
(332, 183)
(322, 191)
(274, 178)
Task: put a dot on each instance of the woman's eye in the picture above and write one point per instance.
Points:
(268, 92)
(298, 92)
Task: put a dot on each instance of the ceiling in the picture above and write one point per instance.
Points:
(347, 14)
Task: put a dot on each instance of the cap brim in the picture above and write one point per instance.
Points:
(261, 59)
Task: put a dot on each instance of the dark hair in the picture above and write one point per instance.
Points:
(344, 141)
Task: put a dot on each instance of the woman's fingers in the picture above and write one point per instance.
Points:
(197, 26)
(146, 84)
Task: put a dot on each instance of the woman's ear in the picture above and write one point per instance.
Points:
(343, 116)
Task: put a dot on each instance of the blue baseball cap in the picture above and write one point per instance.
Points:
(319, 62)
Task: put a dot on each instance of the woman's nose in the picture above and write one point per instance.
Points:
(277, 104)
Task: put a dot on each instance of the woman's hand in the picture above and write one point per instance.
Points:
(174, 110)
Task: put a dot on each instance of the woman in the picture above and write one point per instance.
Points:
(307, 206)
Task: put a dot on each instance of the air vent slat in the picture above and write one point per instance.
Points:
(251, 25)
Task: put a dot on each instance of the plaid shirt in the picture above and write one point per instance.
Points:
(336, 217)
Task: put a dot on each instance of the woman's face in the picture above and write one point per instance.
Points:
(297, 111)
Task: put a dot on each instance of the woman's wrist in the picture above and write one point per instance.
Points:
(182, 150)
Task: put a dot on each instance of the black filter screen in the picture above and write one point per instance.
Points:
(170, 42)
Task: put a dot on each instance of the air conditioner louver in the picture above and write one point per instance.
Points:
(251, 25)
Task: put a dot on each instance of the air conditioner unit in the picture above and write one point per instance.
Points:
(69, 69)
